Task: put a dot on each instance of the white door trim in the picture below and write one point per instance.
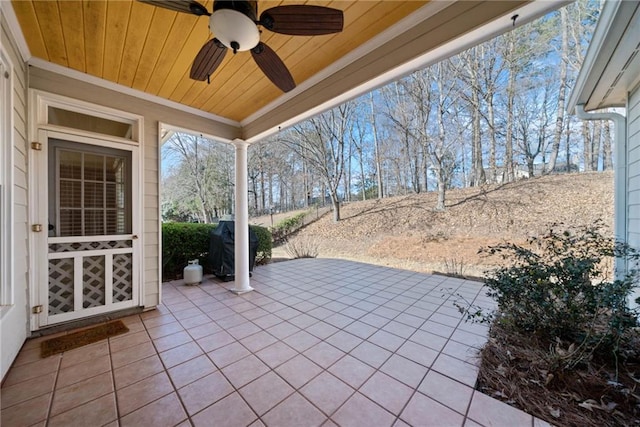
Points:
(38, 162)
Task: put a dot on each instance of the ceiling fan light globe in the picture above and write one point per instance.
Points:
(232, 26)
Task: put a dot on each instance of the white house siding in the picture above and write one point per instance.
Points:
(633, 169)
(153, 115)
(14, 325)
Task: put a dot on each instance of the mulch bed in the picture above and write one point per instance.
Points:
(522, 371)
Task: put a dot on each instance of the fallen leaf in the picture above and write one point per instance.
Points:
(555, 412)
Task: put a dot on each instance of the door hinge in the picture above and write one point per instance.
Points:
(37, 309)
(36, 227)
(36, 146)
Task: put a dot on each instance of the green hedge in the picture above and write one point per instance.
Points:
(182, 242)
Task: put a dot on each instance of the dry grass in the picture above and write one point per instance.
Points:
(406, 230)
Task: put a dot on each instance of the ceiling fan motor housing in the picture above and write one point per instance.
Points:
(248, 8)
(234, 24)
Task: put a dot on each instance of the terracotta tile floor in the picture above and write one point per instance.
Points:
(319, 342)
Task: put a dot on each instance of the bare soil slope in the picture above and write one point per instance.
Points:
(407, 232)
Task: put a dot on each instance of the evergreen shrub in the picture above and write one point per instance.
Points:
(182, 242)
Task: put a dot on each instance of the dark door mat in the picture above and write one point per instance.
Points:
(78, 339)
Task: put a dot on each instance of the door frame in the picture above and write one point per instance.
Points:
(40, 132)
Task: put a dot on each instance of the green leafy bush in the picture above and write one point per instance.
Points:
(559, 288)
(182, 242)
(287, 226)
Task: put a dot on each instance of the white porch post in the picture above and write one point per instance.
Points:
(241, 221)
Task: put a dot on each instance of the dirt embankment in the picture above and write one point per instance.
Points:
(407, 232)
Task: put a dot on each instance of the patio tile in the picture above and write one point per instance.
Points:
(27, 413)
(298, 371)
(27, 390)
(283, 330)
(128, 340)
(424, 411)
(228, 354)
(456, 369)
(166, 411)
(245, 370)
(192, 370)
(215, 341)
(360, 329)
(301, 341)
(287, 313)
(351, 371)
(143, 392)
(172, 341)
(374, 320)
(266, 392)
(243, 330)
(276, 354)
(204, 392)
(324, 354)
(371, 354)
(155, 321)
(409, 320)
(386, 340)
(303, 321)
(258, 341)
(463, 352)
(437, 329)
(427, 339)
(468, 338)
(359, 411)
(82, 354)
(338, 320)
(491, 412)
(132, 354)
(82, 371)
(320, 313)
(295, 411)
(404, 370)
(137, 371)
(95, 413)
(180, 354)
(195, 321)
(387, 392)
(344, 341)
(327, 392)
(322, 330)
(267, 321)
(219, 414)
(418, 353)
(449, 392)
(164, 330)
(32, 370)
(228, 319)
(81, 392)
(399, 329)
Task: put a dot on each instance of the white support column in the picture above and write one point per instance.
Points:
(241, 284)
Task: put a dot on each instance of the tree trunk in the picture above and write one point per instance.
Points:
(587, 141)
(376, 149)
(607, 159)
(564, 53)
(595, 151)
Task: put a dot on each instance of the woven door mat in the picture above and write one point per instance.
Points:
(81, 338)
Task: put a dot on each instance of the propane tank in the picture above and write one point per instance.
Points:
(192, 273)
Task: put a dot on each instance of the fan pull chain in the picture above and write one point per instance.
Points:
(208, 79)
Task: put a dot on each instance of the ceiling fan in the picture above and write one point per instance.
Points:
(235, 26)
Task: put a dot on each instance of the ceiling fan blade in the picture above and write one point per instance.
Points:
(186, 6)
(273, 67)
(207, 60)
(302, 20)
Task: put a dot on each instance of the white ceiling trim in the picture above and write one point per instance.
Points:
(500, 25)
(74, 74)
(15, 30)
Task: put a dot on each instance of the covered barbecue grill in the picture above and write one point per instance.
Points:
(222, 247)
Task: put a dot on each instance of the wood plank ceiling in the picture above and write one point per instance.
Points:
(150, 49)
